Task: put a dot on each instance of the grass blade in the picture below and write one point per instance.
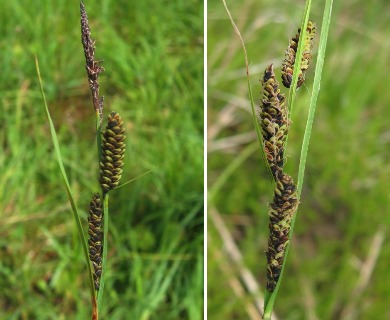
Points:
(131, 180)
(315, 92)
(255, 122)
(69, 193)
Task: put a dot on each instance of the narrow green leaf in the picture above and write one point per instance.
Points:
(315, 92)
(66, 183)
(161, 283)
(254, 116)
(131, 180)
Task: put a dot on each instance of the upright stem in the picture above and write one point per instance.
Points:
(98, 136)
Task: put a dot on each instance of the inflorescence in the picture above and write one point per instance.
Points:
(112, 152)
(275, 123)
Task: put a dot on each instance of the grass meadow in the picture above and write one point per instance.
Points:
(338, 263)
(153, 56)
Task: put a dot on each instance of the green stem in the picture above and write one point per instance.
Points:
(315, 92)
(98, 135)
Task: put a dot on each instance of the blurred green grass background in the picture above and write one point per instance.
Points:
(153, 56)
(332, 271)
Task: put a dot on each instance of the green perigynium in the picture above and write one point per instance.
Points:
(113, 150)
(95, 241)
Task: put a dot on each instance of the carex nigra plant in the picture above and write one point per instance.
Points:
(272, 128)
(110, 153)
(111, 149)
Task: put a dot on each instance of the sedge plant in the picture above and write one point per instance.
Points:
(272, 125)
(110, 155)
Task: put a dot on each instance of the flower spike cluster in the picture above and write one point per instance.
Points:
(112, 153)
(274, 128)
(275, 123)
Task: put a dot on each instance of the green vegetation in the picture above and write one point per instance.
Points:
(337, 264)
(153, 56)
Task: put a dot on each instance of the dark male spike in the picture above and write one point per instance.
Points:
(92, 66)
